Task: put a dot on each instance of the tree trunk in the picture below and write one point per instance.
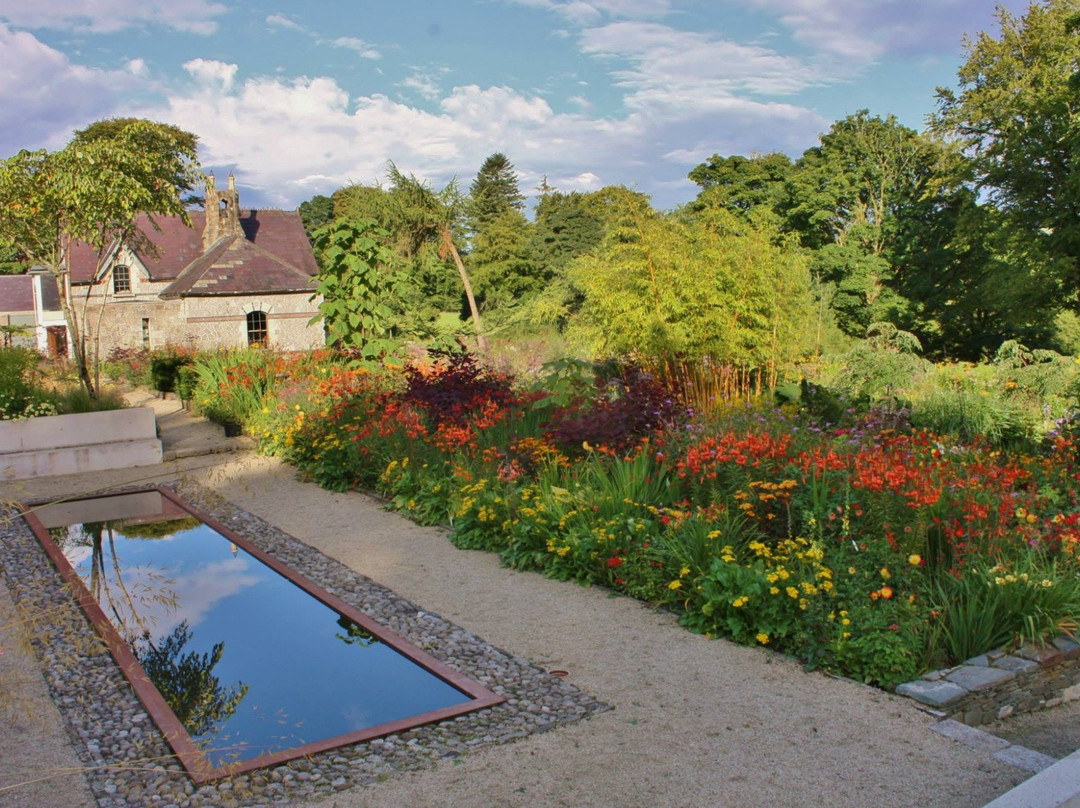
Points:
(76, 339)
(448, 245)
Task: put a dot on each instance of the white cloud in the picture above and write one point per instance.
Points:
(360, 46)
(583, 103)
(281, 21)
(99, 16)
(694, 67)
(425, 82)
(45, 97)
(861, 32)
(210, 72)
(288, 139)
(589, 12)
(585, 181)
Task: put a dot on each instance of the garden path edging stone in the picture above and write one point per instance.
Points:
(997, 684)
(127, 759)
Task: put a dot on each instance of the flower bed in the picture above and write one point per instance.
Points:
(869, 548)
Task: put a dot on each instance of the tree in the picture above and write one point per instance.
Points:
(1017, 119)
(502, 264)
(658, 286)
(494, 192)
(93, 190)
(499, 256)
(847, 199)
(10, 263)
(421, 216)
(316, 212)
(742, 185)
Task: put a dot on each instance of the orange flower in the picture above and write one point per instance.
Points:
(886, 592)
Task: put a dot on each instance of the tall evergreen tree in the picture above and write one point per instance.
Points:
(494, 192)
(499, 237)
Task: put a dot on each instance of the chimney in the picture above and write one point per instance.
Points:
(222, 212)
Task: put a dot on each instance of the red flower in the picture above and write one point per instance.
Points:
(615, 561)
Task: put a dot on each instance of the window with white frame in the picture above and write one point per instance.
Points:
(121, 278)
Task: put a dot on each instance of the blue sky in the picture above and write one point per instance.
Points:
(301, 98)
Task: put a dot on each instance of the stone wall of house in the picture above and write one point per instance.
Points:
(210, 321)
(200, 322)
(120, 323)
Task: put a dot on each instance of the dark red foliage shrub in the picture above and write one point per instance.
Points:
(455, 387)
(632, 404)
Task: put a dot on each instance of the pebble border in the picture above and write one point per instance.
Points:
(127, 760)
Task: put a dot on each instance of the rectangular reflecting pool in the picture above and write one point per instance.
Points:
(241, 661)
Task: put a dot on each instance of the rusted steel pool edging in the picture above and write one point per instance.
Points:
(187, 751)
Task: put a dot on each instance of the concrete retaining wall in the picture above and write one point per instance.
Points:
(74, 444)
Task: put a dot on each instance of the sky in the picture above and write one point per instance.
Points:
(302, 97)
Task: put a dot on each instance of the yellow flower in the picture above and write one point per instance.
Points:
(792, 592)
(675, 585)
(763, 638)
(885, 574)
(914, 559)
(684, 572)
(740, 601)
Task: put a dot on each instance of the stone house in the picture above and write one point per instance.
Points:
(234, 278)
(31, 304)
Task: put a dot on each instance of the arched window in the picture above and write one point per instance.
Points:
(256, 328)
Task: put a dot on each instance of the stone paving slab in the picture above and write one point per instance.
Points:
(970, 736)
(974, 678)
(935, 694)
(1023, 758)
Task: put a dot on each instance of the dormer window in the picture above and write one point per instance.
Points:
(121, 279)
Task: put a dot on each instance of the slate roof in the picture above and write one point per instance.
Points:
(281, 256)
(16, 293)
(50, 294)
(235, 266)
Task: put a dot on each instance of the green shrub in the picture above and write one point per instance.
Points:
(968, 413)
(129, 365)
(20, 387)
(75, 399)
(165, 367)
(187, 378)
